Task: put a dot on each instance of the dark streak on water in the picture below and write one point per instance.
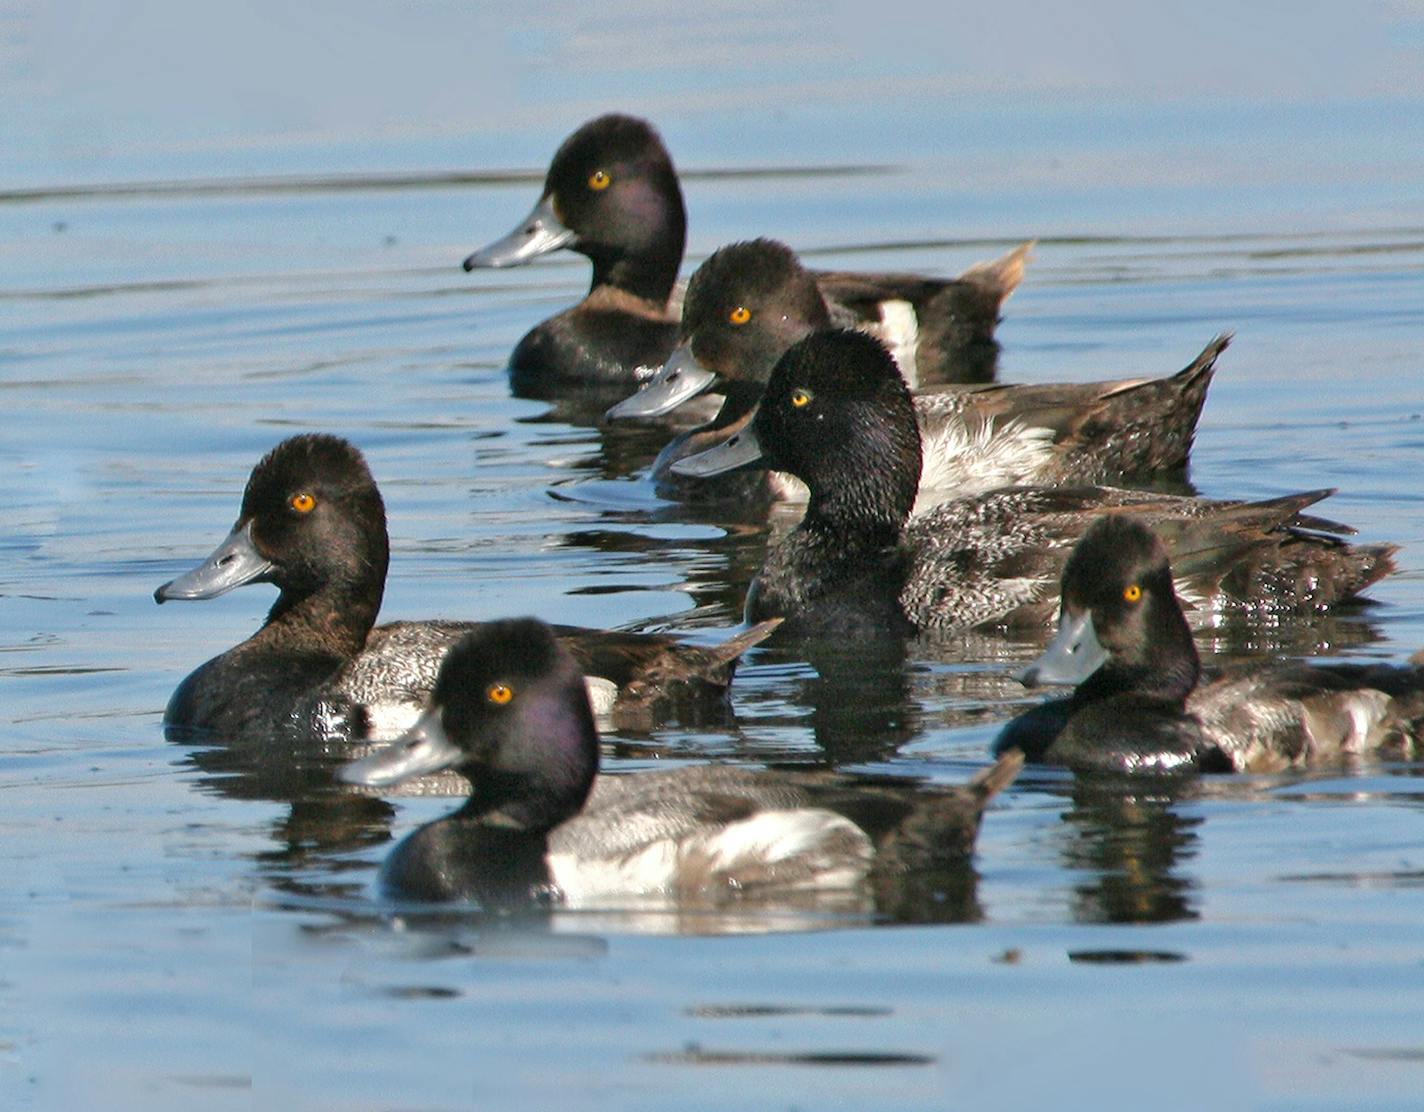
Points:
(699, 1057)
(377, 183)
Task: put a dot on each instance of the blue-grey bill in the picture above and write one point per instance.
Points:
(233, 563)
(538, 233)
(422, 749)
(1073, 655)
(741, 450)
(681, 378)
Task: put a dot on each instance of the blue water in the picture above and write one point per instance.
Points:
(179, 929)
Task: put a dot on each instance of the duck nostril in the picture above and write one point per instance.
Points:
(674, 376)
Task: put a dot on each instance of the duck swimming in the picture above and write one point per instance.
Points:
(838, 416)
(313, 524)
(510, 711)
(1140, 704)
(612, 195)
(749, 302)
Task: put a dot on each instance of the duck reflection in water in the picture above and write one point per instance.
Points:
(1129, 842)
(322, 824)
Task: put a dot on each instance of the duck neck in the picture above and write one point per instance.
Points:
(646, 275)
(865, 497)
(855, 525)
(335, 618)
(648, 270)
(545, 773)
(738, 399)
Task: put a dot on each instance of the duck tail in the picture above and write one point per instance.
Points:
(1190, 385)
(721, 659)
(955, 320)
(1204, 365)
(996, 777)
(685, 675)
(1268, 556)
(1306, 570)
(998, 278)
(1147, 425)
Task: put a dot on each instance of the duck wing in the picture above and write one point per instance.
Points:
(716, 829)
(655, 672)
(995, 558)
(984, 436)
(632, 678)
(1297, 714)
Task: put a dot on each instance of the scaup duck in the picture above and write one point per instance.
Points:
(1140, 705)
(837, 415)
(612, 195)
(313, 524)
(510, 712)
(749, 302)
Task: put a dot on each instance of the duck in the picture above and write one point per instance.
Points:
(541, 827)
(612, 195)
(838, 415)
(1140, 703)
(749, 302)
(313, 524)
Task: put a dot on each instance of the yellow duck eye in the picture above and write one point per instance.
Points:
(499, 693)
(740, 315)
(1133, 593)
(303, 503)
(801, 398)
(599, 180)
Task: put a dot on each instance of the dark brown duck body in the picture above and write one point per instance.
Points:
(837, 415)
(313, 524)
(749, 302)
(1139, 703)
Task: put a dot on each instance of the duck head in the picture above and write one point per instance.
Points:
(611, 194)
(510, 711)
(311, 521)
(743, 308)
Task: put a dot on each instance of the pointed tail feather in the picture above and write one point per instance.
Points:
(732, 649)
(1000, 277)
(996, 777)
(1204, 365)
(683, 671)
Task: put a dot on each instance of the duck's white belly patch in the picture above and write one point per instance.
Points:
(389, 720)
(646, 872)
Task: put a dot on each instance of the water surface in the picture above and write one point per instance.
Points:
(187, 925)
